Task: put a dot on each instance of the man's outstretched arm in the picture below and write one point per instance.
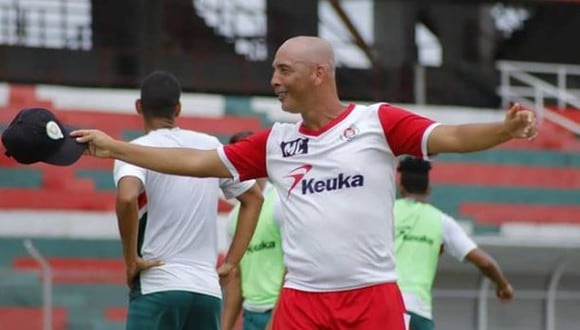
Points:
(518, 123)
(178, 161)
(489, 267)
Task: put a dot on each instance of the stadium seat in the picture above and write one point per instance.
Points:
(116, 314)
(31, 318)
(496, 213)
(79, 270)
(517, 176)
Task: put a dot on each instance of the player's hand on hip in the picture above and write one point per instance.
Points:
(98, 143)
(140, 265)
(521, 123)
(504, 292)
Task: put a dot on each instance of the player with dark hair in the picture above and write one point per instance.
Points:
(256, 284)
(171, 252)
(335, 174)
(422, 232)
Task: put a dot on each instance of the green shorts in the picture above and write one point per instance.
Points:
(420, 322)
(174, 310)
(255, 320)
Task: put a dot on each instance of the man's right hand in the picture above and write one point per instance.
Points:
(98, 143)
(139, 265)
(504, 292)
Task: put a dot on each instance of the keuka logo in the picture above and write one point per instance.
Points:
(294, 147)
(263, 245)
(342, 181)
(314, 186)
(297, 174)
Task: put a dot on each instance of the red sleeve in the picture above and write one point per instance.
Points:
(404, 130)
(248, 155)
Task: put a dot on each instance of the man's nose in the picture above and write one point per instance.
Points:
(275, 81)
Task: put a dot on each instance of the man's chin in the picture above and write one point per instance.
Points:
(289, 109)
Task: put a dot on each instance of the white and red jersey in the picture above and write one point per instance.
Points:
(337, 189)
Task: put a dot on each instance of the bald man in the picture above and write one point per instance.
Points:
(335, 174)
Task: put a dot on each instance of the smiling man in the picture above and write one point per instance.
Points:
(337, 188)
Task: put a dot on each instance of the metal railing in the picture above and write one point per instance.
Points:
(46, 284)
(520, 83)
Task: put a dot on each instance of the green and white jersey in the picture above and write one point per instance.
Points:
(262, 266)
(420, 231)
(181, 222)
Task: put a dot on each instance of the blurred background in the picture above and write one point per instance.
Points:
(60, 257)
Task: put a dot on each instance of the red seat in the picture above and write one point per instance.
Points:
(116, 314)
(494, 214)
(30, 318)
(507, 175)
(56, 199)
(79, 270)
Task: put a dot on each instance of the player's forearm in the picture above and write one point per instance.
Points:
(488, 266)
(177, 161)
(492, 271)
(127, 221)
(232, 301)
(247, 220)
(467, 137)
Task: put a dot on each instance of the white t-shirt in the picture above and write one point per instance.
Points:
(457, 244)
(337, 189)
(181, 228)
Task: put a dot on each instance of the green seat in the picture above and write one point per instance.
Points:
(20, 289)
(20, 178)
(99, 324)
(103, 178)
(130, 135)
(55, 248)
(527, 157)
(449, 197)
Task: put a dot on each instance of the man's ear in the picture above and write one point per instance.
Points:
(177, 110)
(138, 106)
(320, 72)
(402, 190)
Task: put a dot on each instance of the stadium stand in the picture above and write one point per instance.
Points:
(87, 280)
(88, 185)
(520, 182)
(85, 277)
(519, 174)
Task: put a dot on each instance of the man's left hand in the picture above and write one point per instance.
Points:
(521, 123)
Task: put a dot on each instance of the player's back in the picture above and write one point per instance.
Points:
(181, 226)
(181, 210)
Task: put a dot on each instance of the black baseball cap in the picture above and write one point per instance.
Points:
(160, 90)
(36, 135)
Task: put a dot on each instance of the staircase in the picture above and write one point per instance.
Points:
(532, 85)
